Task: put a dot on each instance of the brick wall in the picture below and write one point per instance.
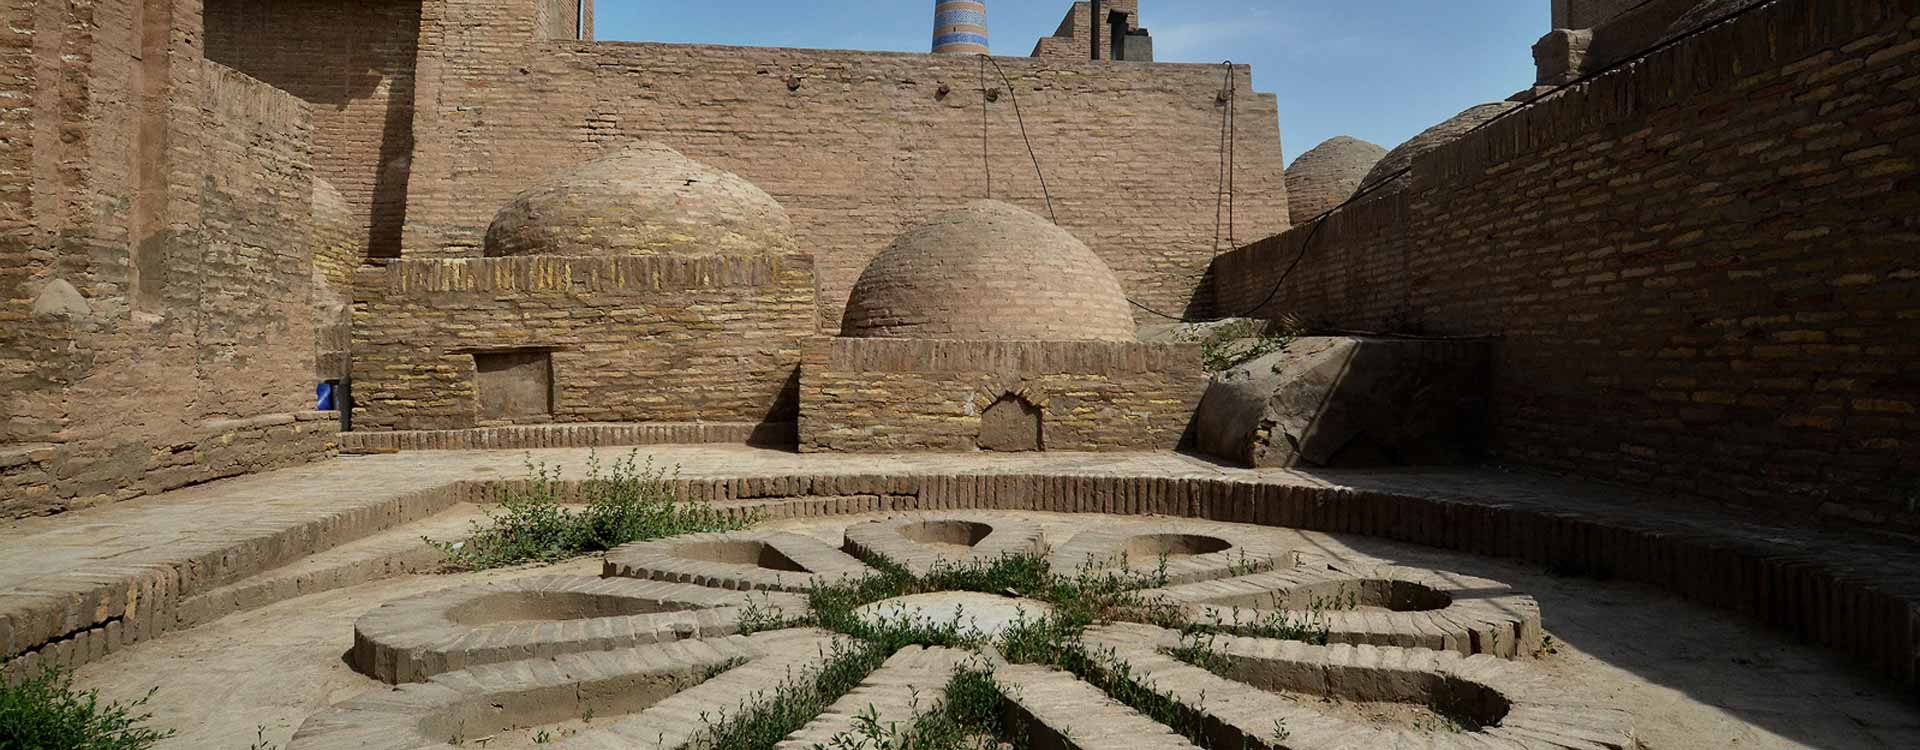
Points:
(1074, 39)
(883, 395)
(637, 339)
(558, 19)
(157, 322)
(255, 339)
(339, 244)
(857, 146)
(354, 61)
(1703, 265)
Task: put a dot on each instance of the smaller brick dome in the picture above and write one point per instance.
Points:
(1447, 132)
(646, 200)
(989, 271)
(1323, 177)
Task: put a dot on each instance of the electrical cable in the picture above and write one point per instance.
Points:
(986, 159)
(1048, 194)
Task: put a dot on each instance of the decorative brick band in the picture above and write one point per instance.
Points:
(585, 435)
(1026, 357)
(548, 273)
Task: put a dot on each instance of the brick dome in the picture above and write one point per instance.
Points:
(989, 271)
(1320, 179)
(646, 200)
(1447, 132)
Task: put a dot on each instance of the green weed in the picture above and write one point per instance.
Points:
(45, 711)
(625, 502)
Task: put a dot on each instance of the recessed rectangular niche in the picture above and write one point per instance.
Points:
(515, 385)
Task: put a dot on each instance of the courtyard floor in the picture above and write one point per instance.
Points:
(1691, 676)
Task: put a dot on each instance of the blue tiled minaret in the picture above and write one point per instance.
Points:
(959, 27)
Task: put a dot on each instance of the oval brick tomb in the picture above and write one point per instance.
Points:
(1378, 605)
(642, 697)
(1190, 551)
(412, 639)
(1433, 700)
(743, 560)
(919, 542)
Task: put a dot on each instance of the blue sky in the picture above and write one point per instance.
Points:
(1381, 70)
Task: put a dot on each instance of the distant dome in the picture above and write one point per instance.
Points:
(1439, 135)
(989, 271)
(646, 200)
(1327, 175)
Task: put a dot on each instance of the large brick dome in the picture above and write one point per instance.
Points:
(646, 200)
(989, 271)
(1402, 156)
(1327, 175)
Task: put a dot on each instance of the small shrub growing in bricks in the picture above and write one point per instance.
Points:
(1233, 344)
(45, 711)
(625, 502)
(968, 719)
(763, 720)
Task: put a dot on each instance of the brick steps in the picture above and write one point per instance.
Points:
(80, 591)
(388, 554)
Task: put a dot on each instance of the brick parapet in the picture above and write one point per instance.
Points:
(632, 340)
(1699, 264)
(879, 395)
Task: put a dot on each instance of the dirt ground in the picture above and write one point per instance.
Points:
(1694, 678)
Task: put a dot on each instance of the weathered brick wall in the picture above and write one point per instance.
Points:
(857, 146)
(339, 244)
(1074, 39)
(255, 339)
(157, 328)
(636, 339)
(19, 236)
(882, 395)
(558, 19)
(354, 61)
(1703, 265)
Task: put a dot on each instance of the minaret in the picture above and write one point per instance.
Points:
(959, 27)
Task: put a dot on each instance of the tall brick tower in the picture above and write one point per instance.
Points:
(960, 27)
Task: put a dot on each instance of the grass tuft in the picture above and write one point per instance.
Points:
(45, 712)
(622, 503)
